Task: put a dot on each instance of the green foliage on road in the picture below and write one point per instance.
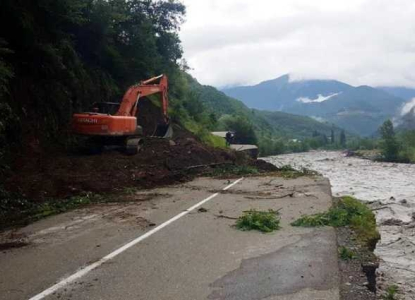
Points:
(233, 170)
(346, 254)
(288, 172)
(16, 210)
(391, 293)
(264, 221)
(348, 211)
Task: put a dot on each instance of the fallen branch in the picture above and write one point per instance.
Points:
(226, 217)
(286, 195)
(271, 198)
(276, 211)
(208, 165)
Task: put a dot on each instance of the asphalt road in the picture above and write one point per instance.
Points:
(151, 246)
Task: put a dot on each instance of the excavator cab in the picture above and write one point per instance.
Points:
(108, 108)
(110, 123)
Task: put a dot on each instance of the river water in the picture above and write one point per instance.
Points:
(390, 191)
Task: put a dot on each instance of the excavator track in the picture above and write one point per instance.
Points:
(133, 145)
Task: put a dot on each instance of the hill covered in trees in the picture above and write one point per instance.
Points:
(275, 132)
(359, 110)
(58, 57)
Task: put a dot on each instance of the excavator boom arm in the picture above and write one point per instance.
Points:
(145, 88)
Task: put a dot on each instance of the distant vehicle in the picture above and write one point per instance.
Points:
(229, 137)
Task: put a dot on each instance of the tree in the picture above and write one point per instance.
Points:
(343, 139)
(324, 139)
(389, 144)
(332, 137)
(67, 54)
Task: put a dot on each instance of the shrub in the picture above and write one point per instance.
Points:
(264, 221)
(347, 212)
(391, 292)
(346, 254)
(239, 170)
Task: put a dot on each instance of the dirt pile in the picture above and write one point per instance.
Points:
(162, 162)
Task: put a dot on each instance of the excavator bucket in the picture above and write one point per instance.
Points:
(164, 131)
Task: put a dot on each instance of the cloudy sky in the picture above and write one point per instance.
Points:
(234, 42)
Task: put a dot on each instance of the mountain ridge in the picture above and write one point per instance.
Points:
(269, 126)
(360, 110)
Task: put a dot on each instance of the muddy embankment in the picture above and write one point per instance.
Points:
(390, 191)
(43, 177)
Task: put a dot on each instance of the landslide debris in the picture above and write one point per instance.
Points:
(45, 177)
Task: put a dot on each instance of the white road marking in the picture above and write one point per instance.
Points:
(85, 270)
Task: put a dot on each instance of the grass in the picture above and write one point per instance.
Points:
(288, 172)
(214, 141)
(204, 135)
(129, 190)
(346, 254)
(348, 211)
(391, 292)
(264, 221)
(235, 170)
(16, 210)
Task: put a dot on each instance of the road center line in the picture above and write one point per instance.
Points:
(85, 270)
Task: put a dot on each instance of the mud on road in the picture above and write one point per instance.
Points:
(62, 174)
(40, 178)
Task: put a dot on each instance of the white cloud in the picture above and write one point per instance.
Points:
(371, 42)
(319, 119)
(320, 98)
(407, 107)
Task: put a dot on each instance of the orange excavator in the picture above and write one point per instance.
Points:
(116, 123)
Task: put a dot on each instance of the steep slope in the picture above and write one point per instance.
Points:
(360, 110)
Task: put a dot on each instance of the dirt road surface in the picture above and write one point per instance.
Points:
(177, 253)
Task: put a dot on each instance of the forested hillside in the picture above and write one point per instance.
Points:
(58, 57)
(360, 110)
(274, 132)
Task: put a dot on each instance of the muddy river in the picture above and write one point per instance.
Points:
(390, 190)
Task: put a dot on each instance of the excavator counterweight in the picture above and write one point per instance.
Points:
(116, 123)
